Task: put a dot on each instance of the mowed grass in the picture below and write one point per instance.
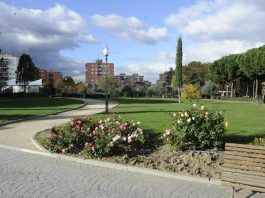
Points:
(18, 108)
(246, 120)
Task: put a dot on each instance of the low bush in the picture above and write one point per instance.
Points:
(99, 138)
(259, 142)
(196, 128)
(190, 92)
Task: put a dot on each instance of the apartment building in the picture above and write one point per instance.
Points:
(50, 77)
(97, 69)
(123, 79)
(8, 66)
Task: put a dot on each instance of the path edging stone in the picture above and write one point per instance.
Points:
(124, 167)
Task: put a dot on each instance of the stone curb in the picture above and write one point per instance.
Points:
(40, 116)
(123, 167)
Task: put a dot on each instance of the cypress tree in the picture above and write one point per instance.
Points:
(178, 70)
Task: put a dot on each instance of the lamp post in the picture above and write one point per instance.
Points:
(106, 54)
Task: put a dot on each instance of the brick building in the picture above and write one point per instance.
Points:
(50, 77)
(95, 70)
(163, 76)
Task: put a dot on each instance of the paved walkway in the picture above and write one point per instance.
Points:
(19, 134)
(23, 175)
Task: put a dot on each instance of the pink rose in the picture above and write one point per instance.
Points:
(122, 126)
(88, 144)
(64, 150)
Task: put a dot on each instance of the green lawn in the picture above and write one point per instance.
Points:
(246, 120)
(17, 108)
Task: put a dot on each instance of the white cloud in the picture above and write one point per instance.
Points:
(44, 34)
(212, 50)
(220, 27)
(130, 27)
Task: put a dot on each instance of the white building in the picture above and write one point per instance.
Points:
(33, 86)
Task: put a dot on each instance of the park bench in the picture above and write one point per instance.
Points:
(244, 167)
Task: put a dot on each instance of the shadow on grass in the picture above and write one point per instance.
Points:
(143, 100)
(7, 118)
(243, 139)
(135, 112)
(21, 103)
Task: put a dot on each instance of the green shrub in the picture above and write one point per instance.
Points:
(190, 92)
(259, 141)
(196, 128)
(99, 138)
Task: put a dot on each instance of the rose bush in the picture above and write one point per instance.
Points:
(196, 128)
(99, 138)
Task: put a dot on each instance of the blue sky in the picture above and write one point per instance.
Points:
(141, 35)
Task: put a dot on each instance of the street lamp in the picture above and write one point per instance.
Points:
(106, 54)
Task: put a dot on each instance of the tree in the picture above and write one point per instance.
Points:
(80, 87)
(209, 88)
(179, 67)
(127, 91)
(190, 92)
(101, 84)
(195, 73)
(169, 75)
(59, 85)
(252, 63)
(68, 81)
(26, 71)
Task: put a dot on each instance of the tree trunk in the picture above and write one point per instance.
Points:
(232, 89)
(179, 95)
(247, 90)
(253, 88)
(257, 84)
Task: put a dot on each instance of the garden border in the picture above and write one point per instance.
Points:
(119, 166)
(39, 116)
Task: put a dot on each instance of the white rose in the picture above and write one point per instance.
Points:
(115, 138)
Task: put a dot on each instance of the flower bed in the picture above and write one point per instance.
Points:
(89, 138)
(124, 142)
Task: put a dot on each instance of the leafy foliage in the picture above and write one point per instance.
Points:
(259, 142)
(101, 84)
(190, 92)
(68, 81)
(196, 128)
(99, 138)
(209, 88)
(195, 73)
(26, 71)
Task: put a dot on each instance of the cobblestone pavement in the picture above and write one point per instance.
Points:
(24, 175)
(19, 134)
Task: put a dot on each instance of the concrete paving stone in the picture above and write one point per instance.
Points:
(26, 175)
